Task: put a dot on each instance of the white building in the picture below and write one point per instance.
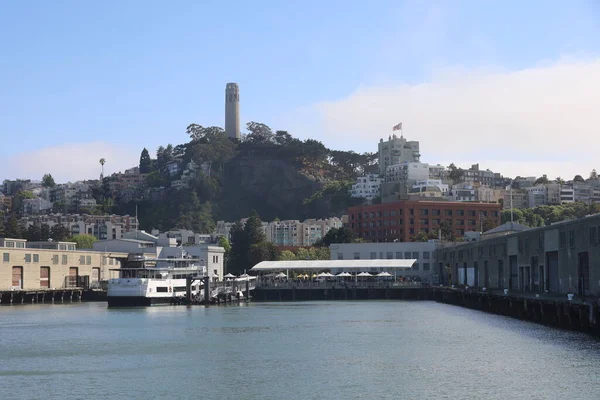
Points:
(296, 233)
(407, 172)
(462, 192)
(430, 188)
(36, 206)
(367, 187)
(537, 196)
(396, 151)
(423, 252)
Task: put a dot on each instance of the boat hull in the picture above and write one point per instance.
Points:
(139, 301)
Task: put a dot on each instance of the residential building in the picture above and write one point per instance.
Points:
(5, 202)
(558, 259)
(402, 221)
(131, 178)
(407, 172)
(423, 252)
(224, 228)
(36, 206)
(523, 182)
(296, 233)
(101, 226)
(515, 198)
(462, 192)
(536, 196)
(397, 151)
(430, 188)
(488, 194)
(482, 177)
(173, 167)
(25, 266)
(567, 194)
(367, 187)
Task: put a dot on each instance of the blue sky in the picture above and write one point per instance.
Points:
(82, 80)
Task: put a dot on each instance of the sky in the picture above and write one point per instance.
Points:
(511, 85)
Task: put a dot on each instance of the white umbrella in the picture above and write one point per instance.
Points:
(384, 274)
(344, 274)
(281, 275)
(323, 275)
(364, 274)
(229, 275)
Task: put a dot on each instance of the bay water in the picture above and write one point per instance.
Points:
(308, 350)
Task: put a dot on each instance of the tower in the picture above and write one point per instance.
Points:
(232, 110)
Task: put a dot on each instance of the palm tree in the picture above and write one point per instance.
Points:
(559, 180)
(102, 162)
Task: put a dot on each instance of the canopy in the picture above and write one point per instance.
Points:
(229, 275)
(281, 275)
(364, 274)
(384, 274)
(342, 274)
(306, 265)
(324, 275)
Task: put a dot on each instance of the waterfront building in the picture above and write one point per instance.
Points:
(58, 265)
(397, 150)
(422, 252)
(558, 258)
(367, 187)
(403, 220)
(101, 226)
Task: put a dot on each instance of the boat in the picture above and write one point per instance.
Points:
(153, 281)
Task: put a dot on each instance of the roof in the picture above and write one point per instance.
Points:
(328, 264)
(507, 227)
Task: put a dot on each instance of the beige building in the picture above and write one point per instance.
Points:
(22, 267)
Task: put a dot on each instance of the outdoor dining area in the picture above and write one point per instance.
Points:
(333, 273)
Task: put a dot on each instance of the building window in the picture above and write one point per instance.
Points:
(571, 238)
(36, 258)
(425, 255)
(399, 255)
(81, 260)
(6, 257)
(27, 258)
(389, 255)
(424, 212)
(20, 245)
(593, 237)
(110, 261)
(373, 255)
(460, 213)
(415, 255)
(340, 256)
(415, 266)
(65, 259)
(356, 255)
(55, 259)
(88, 260)
(472, 222)
(425, 266)
(448, 213)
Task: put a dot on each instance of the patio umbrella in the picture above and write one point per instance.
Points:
(281, 275)
(343, 274)
(229, 275)
(364, 274)
(384, 274)
(314, 275)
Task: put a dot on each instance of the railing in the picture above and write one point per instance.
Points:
(336, 285)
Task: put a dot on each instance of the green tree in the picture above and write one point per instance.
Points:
(213, 148)
(302, 254)
(559, 180)
(48, 181)
(33, 233)
(2, 216)
(578, 178)
(259, 133)
(286, 255)
(593, 175)
(263, 251)
(44, 232)
(542, 180)
(83, 240)
(446, 232)
(13, 229)
(248, 245)
(455, 173)
(59, 233)
(145, 162)
(195, 131)
(338, 235)
(421, 237)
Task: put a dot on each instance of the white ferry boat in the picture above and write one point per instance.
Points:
(146, 282)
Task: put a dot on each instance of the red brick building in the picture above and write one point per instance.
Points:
(403, 220)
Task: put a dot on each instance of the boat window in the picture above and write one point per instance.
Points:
(161, 289)
(179, 289)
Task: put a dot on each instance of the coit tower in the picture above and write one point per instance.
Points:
(232, 110)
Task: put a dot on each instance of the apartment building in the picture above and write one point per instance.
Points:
(296, 233)
(367, 187)
(33, 266)
(397, 150)
(101, 226)
(402, 221)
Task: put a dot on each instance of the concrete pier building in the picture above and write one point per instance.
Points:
(232, 110)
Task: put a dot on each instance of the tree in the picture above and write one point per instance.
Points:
(224, 243)
(214, 148)
(421, 237)
(542, 180)
(2, 224)
(48, 181)
(13, 229)
(338, 235)
(578, 178)
(286, 255)
(33, 233)
(259, 133)
(455, 173)
(102, 162)
(145, 162)
(83, 240)
(559, 180)
(195, 131)
(446, 232)
(59, 233)
(593, 175)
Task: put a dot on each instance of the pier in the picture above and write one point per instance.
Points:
(42, 296)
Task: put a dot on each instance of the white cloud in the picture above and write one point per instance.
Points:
(69, 162)
(540, 120)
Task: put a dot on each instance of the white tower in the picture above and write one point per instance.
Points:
(232, 110)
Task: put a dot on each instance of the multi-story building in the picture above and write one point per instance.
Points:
(367, 187)
(536, 196)
(430, 188)
(407, 172)
(224, 228)
(567, 194)
(5, 202)
(131, 178)
(558, 258)
(488, 194)
(402, 221)
(36, 206)
(397, 151)
(523, 182)
(423, 252)
(296, 233)
(55, 265)
(101, 226)
(515, 198)
(486, 177)
(462, 192)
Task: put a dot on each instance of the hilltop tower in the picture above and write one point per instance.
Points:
(232, 110)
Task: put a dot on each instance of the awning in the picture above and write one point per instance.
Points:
(364, 274)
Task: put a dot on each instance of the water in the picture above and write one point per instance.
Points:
(317, 350)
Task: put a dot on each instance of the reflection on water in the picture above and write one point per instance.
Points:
(345, 350)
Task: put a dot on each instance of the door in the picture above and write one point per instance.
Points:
(513, 279)
(486, 274)
(95, 274)
(501, 274)
(552, 274)
(17, 277)
(73, 273)
(583, 273)
(45, 277)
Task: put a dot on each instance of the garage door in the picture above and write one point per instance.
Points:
(44, 277)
